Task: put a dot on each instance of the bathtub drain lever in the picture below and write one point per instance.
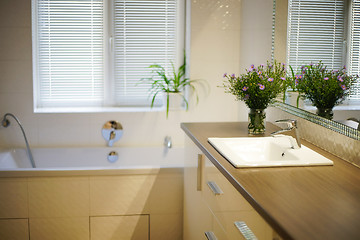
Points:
(112, 156)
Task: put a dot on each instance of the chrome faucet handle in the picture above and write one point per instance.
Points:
(111, 138)
(112, 135)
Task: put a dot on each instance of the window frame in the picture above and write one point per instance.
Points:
(351, 103)
(348, 104)
(108, 104)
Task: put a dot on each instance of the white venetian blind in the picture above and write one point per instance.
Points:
(144, 34)
(69, 52)
(316, 32)
(354, 53)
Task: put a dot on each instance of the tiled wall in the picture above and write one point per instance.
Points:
(225, 34)
(103, 206)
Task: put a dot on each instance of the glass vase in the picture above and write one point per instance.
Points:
(325, 113)
(257, 121)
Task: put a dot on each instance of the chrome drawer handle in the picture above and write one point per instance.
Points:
(214, 188)
(210, 236)
(245, 230)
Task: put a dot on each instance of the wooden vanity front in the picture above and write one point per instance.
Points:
(319, 202)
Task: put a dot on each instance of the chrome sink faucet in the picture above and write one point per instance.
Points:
(291, 127)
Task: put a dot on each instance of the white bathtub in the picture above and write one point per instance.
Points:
(89, 161)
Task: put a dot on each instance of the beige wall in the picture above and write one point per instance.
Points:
(226, 36)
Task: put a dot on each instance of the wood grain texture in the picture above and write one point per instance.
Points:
(319, 202)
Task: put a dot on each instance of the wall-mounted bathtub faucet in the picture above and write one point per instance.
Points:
(6, 123)
(291, 127)
(168, 142)
(112, 131)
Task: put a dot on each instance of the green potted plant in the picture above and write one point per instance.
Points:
(292, 96)
(258, 87)
(323, 87)
(171, 85)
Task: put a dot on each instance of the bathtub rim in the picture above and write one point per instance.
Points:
(92, 171)
(26, 172)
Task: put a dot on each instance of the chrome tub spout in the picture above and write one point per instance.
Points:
(5, 123)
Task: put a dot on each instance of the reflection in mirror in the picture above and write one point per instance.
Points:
(330, 124)
(346, 117)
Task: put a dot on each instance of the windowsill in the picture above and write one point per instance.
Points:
(97, 109)
(337, 108)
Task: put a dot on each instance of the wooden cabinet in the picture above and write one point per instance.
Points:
(125, 206)
(299, 202)
(213, 208)
(230, 207)
(197, 217)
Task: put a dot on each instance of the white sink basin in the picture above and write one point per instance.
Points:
(266, 152)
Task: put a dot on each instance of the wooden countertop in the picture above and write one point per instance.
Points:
(320, 202)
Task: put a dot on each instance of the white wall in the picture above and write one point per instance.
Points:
(226, 36)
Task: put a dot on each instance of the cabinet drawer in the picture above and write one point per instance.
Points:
(217, 231)
(219, 194)
(250, 223)
(229, 206)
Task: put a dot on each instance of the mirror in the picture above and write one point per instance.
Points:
(341, 116)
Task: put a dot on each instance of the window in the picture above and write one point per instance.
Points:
(315, 32)
(93, 53)
(354, 50)
(326, 31)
